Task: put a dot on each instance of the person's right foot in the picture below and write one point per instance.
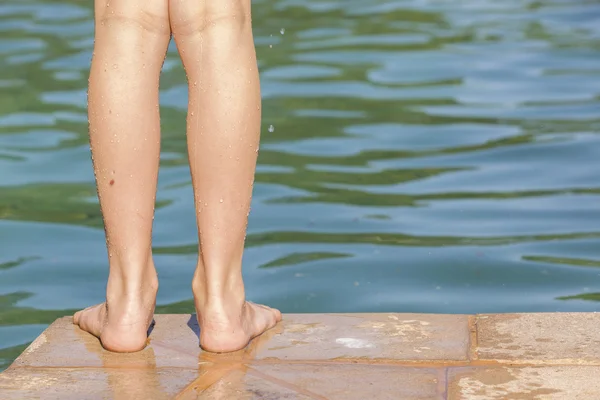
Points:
(230, 324)
(122, 323)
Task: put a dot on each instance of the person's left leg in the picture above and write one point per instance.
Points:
(215, 42)
(131, 39)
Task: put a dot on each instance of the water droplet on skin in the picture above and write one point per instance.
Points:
(282, 31)
(115, 66)
(271, 128)
(220, 200)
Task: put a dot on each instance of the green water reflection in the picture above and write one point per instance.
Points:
(426, 156)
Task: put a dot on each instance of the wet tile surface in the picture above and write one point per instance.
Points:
(548, 383)
(356, 381)
(244, 386)
(65, 345)
(326, 356)
(370, 336)
(553, 338)
(94, 383)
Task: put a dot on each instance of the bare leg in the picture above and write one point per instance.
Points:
(214, 38)
(130, 45)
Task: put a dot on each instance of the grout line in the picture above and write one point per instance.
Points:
(441, 377)
(473, 338)
(433, 363)
(376, 363)
(379, 362)
(99, 367)
(286, 384)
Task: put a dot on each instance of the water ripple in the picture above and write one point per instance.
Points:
(426, 156)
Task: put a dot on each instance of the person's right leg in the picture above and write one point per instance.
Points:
(214, 38)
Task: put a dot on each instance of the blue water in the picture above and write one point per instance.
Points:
(426, 156)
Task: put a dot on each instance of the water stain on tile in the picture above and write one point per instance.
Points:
(372, 336)
(551, 338)
(241, 386)
(531, 383)
(357, 382)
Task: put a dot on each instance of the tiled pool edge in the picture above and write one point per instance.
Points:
(327, 356)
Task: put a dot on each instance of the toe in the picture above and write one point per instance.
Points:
(278, 316)
(77, 317)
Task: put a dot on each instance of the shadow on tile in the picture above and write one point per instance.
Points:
(193, 325)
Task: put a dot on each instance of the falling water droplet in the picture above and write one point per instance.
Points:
(282, 31)
(271, 128)
(270, 46)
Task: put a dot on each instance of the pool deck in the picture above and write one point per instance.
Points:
(327, 356)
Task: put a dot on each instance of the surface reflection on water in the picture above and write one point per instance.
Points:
(425, 157)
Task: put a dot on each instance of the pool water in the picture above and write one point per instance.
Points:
(424, 156)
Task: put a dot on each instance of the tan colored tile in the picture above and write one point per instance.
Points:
(93, 383)
(367, 336)
(180, 333)
(553, 338)
(548, 383)
(65, 345)
(356, 381)
(240, 385)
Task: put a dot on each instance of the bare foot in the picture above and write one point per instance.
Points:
(226, 329)
(122, 325)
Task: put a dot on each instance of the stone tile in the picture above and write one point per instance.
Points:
(240, 385)
(552, 338)
(181, 333)
(356, 381)
(65, 345)
(548, 383)
(94, 383)
(366, 336)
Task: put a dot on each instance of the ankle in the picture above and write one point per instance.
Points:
(136, 284)
(224, 298)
